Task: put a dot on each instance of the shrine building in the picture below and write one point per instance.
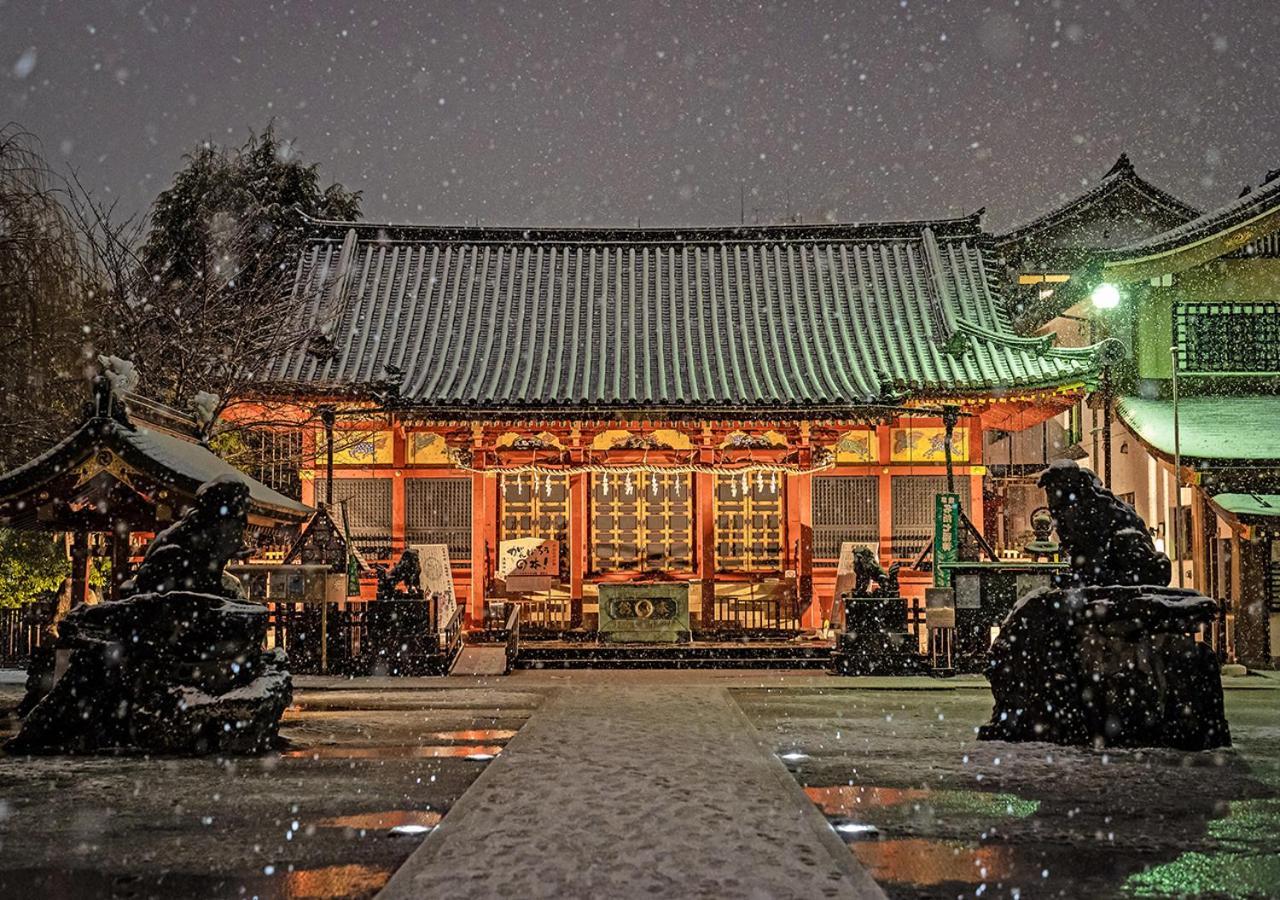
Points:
(717, 407)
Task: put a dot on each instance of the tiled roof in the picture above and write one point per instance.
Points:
(180, 464)
(1120, 179)
(752, 317)
(1228, 428)
(1241, 212)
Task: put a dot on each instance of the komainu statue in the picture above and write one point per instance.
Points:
(1102, 537)
(867, 570)
(1108, 656)
(176, 666)
(191, 554)
(407, 571)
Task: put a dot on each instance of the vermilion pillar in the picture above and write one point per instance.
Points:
(579, 490)
(705, 525)
(479, 551)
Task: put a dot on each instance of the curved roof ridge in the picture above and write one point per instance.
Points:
(968, 225)
(1243, 210)
(1121, 174)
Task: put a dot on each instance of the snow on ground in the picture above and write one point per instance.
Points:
(932, 812)
(313, 821)
(894, 764)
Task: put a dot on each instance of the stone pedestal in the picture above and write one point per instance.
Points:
(875, 640)
(1114, 666)
(175, 672)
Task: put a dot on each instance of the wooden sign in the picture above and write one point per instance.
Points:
(523, 557)
(437, 577)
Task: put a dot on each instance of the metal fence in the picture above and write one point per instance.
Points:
(22, 629)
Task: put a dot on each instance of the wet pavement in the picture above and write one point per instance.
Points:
(366, 775)
(932, 812)
(622, 782)
(634, 783)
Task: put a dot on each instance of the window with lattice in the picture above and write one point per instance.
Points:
(272, 456)
(641, 521)
(365, 504)
(913, 510)
(749, 522)
(536, 505)
(845, 508)
(1227, 338)
(438, 511)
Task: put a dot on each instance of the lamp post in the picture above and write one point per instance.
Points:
(1106, 296)
(327, 416)
(1108, 391)
(1177, 468)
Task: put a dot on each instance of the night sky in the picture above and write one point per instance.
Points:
(609, 113)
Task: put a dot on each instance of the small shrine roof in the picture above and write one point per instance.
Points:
(1227, 429)
(755, 318)
(1249, 506)
(1228, 228)
(164, 459)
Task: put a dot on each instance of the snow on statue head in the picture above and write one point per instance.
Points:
(122, 374)
(1102, 537)
(191, 553)
(205, 407)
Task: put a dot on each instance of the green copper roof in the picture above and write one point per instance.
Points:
(1250, 505)
(767, 318)
(1228, 428)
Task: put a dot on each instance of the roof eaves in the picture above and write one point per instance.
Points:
(1233, 225)
(1121, 174)
(330, 230)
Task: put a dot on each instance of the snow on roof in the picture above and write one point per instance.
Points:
(1239, 212)
(170, 459)
(1259, 505)
(198, 463)
(1217, 427)
(1120, 177)
(776, 317)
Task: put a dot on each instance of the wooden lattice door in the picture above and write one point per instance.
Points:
(641, 522)
(749, 520)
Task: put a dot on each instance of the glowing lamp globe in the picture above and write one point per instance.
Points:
(1106, 296)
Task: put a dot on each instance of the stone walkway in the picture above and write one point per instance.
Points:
(651, 786)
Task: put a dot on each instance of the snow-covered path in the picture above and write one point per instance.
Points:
(638, 786)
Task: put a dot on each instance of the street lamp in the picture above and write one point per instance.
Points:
(1105, 296)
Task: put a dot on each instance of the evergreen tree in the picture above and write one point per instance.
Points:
(211, 306)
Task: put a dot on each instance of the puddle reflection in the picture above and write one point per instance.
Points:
(852, 800)
(334, 882)
(924, 862)
(383, 820)
(455, 751)
(341, 882)
(475, 735)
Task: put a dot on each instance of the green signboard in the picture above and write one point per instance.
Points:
(946, 536)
